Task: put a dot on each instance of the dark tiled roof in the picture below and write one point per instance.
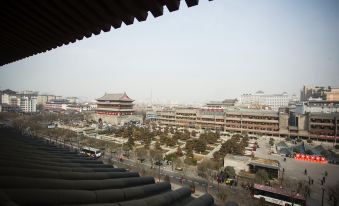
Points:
(115, 97)
(32, 27)
(33, 172)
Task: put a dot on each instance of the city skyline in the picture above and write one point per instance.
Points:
(218, 50)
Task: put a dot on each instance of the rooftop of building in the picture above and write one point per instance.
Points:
(33, 172)
(261, 93)
(115, 97)
(58, 101)
(265, 162)
(8, 91)
(250, 111)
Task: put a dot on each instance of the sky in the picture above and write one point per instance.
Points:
(216, 50)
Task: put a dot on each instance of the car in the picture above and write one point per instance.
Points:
(179, 168)
(229, 181)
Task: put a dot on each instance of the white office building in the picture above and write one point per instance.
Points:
(274, 101)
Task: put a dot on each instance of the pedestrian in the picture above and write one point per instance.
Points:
(305, 172)
(312, 181)
(324, 179)
(309, 180)
(283, 169)
(326, 173)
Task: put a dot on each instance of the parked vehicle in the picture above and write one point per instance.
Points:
(91, 152)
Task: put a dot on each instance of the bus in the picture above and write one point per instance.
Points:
(276, 196)
(91, 152)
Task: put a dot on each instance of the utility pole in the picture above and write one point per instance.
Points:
(322, 196)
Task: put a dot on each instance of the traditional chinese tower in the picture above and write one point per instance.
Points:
(115, 104)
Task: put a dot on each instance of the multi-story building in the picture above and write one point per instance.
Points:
(57, 105)
(28, 103)
(186, 117)
(257, 122)
(317, 106)
(332, 95)
(72, 100)
(6, 96)
(222, 104)
(274, 101)
(211, 118)
(78, 107)
(166, 117)
(323, 126)
(252, 122)
(317, 92)
(42, 99)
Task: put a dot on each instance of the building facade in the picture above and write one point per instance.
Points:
(332, 95)
(273, 101)
(318, 92)
(317, 106)
(57, 105)
(256, 122)
(252, 122)
(28, 103)
(42, 99)
(323, 126)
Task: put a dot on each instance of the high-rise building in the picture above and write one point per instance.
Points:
(28, 103)
(274, 101)
(313, 92)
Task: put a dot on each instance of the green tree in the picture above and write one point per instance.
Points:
(157, 145)
(189, 152)
(229, 170)
(179, 152)
(193, 133)
(141, 153)
(130, 142)
(200, 145)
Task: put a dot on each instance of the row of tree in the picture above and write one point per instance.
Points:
(236, 146)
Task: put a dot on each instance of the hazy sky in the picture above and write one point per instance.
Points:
(212, 51)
